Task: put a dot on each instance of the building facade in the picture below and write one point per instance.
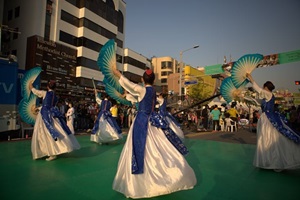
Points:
(134, 65)
(164, 67)
(64, 37)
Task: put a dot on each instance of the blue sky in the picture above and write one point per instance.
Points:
(221, 28)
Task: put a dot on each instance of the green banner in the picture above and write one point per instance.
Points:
(287, 57)
(213, 69)
(268, 60)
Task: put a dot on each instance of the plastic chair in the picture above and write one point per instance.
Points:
(233, 127)
(243, 123)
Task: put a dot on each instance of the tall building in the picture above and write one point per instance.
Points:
(64, 38)
(163, 68)
(134, 65)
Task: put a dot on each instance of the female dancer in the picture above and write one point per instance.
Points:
(51, 136)
(70, 116)
(173, 124)
(105, 129)
(150, 165)
(277, 144)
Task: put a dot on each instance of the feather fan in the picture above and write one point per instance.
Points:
(106, 62)
(28, 78)
(229, 92)
(27, 109)
(116, 95)
(246, 64)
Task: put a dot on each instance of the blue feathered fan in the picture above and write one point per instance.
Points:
(246, 64)
(28, 78)
(27, 105)
(27, 109)
(229, 92)
(113, 93)
(106, 62)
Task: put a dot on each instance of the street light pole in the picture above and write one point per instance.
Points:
(180, 68)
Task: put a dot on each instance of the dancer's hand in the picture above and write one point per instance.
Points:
(30, 85)
(117, 72)
(249, 77)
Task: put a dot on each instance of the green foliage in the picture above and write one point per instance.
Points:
(199, 91)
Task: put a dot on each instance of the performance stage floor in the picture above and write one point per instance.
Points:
(223, 170)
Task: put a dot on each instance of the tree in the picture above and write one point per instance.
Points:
(199, 91)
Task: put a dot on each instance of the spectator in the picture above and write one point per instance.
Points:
(215, 113)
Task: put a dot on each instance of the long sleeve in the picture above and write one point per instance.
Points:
(264, 94)
(39, 93)
(132, 88)
(131, 98)
(98, 100)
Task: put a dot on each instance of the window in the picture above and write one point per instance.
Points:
(164, 73)
(120, 22)
(98, 29)
(47, 26)
(69, 18)
(164, 80)
(68, 38)
(86, 62)
(73, 2)
(134, 62)
(17, 11)
(10, 15)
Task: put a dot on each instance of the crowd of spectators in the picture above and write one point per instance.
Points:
(202, 119)
(86, 114)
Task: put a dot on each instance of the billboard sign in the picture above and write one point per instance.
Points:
(8, 82)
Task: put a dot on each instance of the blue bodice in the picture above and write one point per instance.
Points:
(105, 105)
(268, 106)
(50, 99)
(148, 102)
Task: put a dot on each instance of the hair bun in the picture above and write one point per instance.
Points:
(52, 84)
(149, 71)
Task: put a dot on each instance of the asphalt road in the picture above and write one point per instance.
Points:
(242, 136)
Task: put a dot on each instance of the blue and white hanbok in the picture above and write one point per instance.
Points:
(152, 161)
(172, 122)
(105, 129)
(51, 135)
(278, 146)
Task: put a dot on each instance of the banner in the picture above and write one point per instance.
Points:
(292, 56)
(268, 60)
(213, 69)
(8, 82)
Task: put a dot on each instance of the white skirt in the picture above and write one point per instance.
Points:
(43, 144)
(274, 150)
(105, 133)
(177, 130)
(165, 169)
(70, 124)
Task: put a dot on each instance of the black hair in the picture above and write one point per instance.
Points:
(269, 85)
(51, 84)
(148, 76)
(104, 95)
